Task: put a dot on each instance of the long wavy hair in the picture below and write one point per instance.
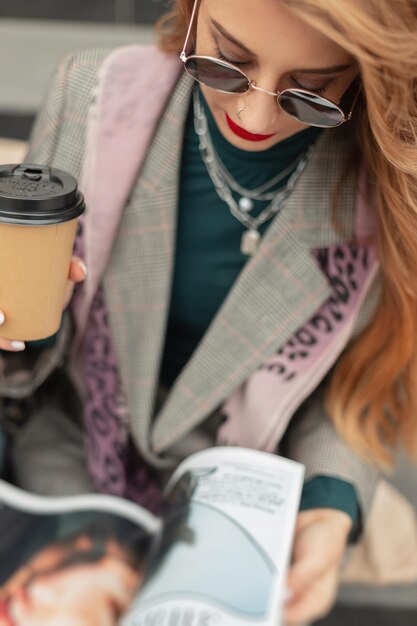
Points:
(372, 396)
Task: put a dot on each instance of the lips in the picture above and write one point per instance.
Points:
(5, 619)
(244, 134)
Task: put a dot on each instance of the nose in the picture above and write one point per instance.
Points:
(260, 112)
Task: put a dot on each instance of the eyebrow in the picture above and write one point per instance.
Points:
(230, 37)
(312, 70)
(326, 70)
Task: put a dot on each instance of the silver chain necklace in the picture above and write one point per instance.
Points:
(246, 201)
(261, 193)
(251, 237)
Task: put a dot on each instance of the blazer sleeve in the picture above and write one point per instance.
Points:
(45, 131)
(57, 139)
(59, 134)
(312, 439)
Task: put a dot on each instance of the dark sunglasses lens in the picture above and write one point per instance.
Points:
(216, 75)
(310, 109)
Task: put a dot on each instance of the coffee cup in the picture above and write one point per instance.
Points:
(39, 209)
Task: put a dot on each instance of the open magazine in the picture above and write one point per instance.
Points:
(217, 557)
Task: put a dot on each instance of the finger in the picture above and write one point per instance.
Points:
(316, 601)
(77, 273)
(12, 346)
(78, 270)
(7, 344)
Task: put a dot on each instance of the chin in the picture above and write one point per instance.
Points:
(252, 146)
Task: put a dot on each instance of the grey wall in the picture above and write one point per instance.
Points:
(139, 11)
(36, 47)
(36, 34)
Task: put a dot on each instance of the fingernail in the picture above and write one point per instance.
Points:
(83, 266)
(18, 345)
(2, 318)
(288, 595)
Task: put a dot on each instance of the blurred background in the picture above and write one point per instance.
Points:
(380, 578)
(35, 35)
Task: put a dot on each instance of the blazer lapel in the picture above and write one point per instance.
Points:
(122, 122)
(277, 291)
(138, 280)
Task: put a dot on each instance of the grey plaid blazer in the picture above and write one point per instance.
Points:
(263, 308)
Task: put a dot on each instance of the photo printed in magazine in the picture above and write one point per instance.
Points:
(75, 561)
(225, 547)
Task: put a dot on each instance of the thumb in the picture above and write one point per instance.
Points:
(305, 571)
(316, 550)
(78, 270)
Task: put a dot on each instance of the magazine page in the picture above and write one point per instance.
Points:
(65, 561)
(226, 545)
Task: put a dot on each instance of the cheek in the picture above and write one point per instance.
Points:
(219, 103)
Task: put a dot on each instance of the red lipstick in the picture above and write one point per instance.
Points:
(4, 614)
(244, 134)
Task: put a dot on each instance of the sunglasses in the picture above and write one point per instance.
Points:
(300, 104)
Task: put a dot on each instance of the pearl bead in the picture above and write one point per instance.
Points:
(245, 204)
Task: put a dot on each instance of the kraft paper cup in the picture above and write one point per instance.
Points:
(39, 208)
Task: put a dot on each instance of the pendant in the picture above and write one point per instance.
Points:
(245, 204)
(250, 242)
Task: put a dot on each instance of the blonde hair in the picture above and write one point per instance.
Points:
(372, 397)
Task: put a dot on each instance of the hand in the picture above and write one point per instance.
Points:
(77, 274)
(320, 540)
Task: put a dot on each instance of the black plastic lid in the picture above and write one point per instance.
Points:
(38, 195)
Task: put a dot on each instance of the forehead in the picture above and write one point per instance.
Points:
(270, 29)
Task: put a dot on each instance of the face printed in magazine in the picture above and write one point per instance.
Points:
(71, 584)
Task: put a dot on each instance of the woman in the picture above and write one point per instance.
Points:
(89, 577)
(229, 316)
